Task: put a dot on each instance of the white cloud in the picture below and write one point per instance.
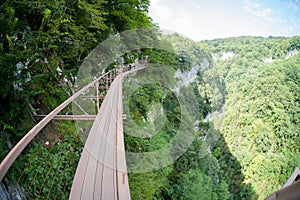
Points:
(199, 20)
(257, 10)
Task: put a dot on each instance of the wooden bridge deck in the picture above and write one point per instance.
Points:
(101, 172)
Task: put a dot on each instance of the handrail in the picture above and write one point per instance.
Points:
(290, 192)
(293, 178)
(19, 147)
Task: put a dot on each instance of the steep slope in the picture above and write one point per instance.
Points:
(261, 93)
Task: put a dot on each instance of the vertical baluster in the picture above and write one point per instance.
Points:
(106, 79)
(97, 94)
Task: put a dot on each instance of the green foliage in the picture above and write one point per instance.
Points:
(128, 14)
(261, 102)
(170, 183)
(294, 43)
(194, 185)
(37, 37)
(146, 185)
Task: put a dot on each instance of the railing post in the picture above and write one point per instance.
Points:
(97, 95)
(106, 79)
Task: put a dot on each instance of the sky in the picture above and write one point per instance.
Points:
(210, 19)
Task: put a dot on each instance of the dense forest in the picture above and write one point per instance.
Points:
(259, 83)
(247, 88)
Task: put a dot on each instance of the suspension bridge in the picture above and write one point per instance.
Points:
(101, 172)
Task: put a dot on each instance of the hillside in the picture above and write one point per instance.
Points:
(253, 89)
(261, 122)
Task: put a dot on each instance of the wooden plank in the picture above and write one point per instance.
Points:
(72, 117)
(291, 192)
(103, 128)
(121, 168)
(102, 162)
(93, 97)
(109, 182)
(102, 87)
(100, 165)
(69, 117)
(80, 174)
